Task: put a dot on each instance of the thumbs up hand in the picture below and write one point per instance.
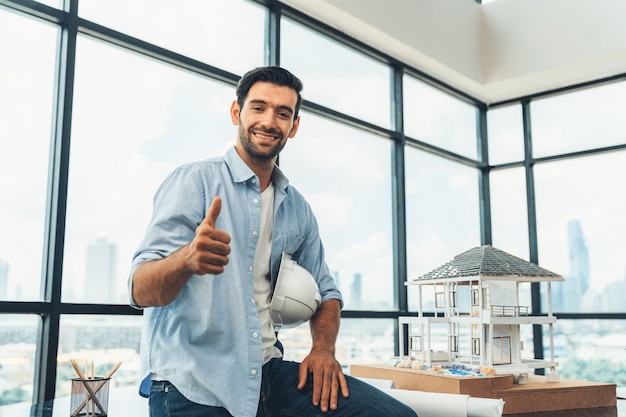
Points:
(208, 251)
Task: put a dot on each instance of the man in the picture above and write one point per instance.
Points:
(206, 268)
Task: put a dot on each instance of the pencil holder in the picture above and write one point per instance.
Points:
(90, 397)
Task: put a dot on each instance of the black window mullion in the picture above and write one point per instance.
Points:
(398, 199)
(48, 336)
(484, 190)
(535, 289)
(398, 193)
(272, 36)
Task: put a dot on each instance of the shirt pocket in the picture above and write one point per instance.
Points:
(288, 241)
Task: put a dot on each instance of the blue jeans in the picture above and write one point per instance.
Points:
(280, 398)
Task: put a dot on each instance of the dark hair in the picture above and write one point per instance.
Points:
(272, 74)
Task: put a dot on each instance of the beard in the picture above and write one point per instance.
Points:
(257, 151)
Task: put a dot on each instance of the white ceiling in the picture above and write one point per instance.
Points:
(494, 52)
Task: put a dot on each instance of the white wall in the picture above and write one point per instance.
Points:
(496, 51)
(535, 45)
(439, 37)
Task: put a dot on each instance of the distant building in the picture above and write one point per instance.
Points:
(572, 295)
(337, 279)
(100, 272)
(356, 293)
(4, 280)
(608, 299)
(577, 281)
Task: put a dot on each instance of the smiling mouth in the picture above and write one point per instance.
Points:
(266, 136)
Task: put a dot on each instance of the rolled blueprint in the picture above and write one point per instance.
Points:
(434, 404)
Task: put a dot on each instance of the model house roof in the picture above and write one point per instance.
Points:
(487, 262)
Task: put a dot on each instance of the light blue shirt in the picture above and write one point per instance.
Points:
(207, 342)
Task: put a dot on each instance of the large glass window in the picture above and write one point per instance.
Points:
(360, 341)
(577, 121)
(590, 350)
(439, 119)
(226, 34)
(356, 346)
(102, 341)
(18, 336)
(27, 68)
(53, 3)
(506, 134)
(345, 175)
(580, 227)
(509, 214)
(134, 121)
(336, 76)
(442, 216)
(509, 219)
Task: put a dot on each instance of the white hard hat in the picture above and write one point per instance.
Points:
(296, 295)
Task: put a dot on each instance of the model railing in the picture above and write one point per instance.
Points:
(508, 311)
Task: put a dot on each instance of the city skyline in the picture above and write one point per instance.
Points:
(101, 280)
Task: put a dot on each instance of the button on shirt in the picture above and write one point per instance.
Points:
(206, 342)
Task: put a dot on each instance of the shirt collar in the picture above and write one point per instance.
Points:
(241, 171)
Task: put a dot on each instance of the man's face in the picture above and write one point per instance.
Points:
(266, 120)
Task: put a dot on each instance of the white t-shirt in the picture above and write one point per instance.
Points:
(261, 275)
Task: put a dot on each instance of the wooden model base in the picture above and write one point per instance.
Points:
(536, 396)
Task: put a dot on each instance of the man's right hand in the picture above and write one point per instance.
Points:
(208, 252)
(158, 282)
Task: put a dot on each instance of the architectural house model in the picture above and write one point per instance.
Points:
(476, 302)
